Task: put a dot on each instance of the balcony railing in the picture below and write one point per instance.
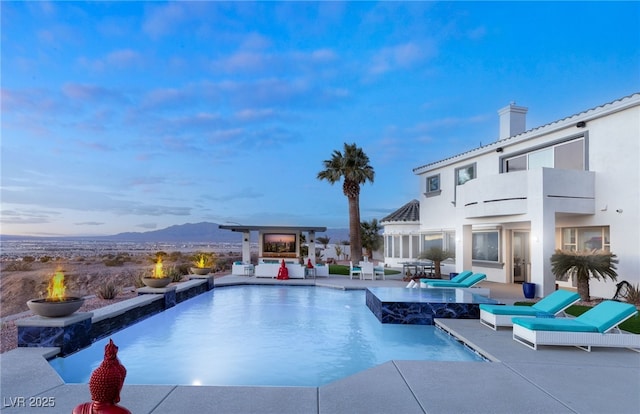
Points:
(567, 191)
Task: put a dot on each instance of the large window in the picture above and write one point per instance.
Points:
(586, 238)
(486, 246)
(566, 155)
(466, 173)
(444, 240)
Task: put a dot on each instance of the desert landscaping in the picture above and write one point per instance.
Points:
(85, 276)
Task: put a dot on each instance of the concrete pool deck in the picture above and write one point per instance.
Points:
(520, 380)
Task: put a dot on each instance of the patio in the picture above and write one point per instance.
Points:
(552, 379)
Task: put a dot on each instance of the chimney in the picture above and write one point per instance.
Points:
(512, 120)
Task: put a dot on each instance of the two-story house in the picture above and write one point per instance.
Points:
(505, 207)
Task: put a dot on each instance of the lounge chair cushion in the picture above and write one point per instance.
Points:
(548, 306)
(607, 314)
(600, 318)
(559, 324)
(514, 310)
(457, 279)
(468, 282)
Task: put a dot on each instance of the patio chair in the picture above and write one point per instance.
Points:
(354, 271)
(457, 279)
(596, 327)
(494, 316)
(378, 271)
(469, 281)
(367, 270)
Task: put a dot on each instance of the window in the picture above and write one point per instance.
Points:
(445, 240)
(433, 185)
(389, 246)
(486, 246)
(586, 238)
(566, 155)
(464, 174)
(415, 246)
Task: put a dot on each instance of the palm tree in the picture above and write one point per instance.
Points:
(371, 238)
(352, 166)
(437, 255)
(323, 240)
(584, 265)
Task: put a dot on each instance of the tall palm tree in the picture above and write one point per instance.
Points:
(584, 265)
(352, 166)
(371, 238)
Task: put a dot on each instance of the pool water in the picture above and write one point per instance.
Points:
(263, 336)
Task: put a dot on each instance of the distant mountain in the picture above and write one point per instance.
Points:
(204, 232)
(189, 232)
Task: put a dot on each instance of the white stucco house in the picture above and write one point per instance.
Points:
(507, 206)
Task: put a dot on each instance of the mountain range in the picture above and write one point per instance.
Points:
(189, 232)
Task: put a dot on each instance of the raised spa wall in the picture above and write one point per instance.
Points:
(79, 330)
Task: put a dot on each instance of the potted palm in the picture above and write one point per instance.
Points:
(437, 255)
(584, 265)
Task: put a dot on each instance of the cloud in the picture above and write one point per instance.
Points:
(90, 223)
(27, 216)
(162, 20)
(245, 193)
(58, 197)
(403, 56)
(118, 59)
(89, 92)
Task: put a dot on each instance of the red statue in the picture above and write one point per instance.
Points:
(283, 272)
(309, 264)
(105, 385)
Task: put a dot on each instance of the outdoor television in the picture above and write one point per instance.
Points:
(279, 245)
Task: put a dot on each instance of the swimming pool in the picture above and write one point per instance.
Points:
(263, 336)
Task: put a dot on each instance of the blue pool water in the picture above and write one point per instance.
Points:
(263, 336)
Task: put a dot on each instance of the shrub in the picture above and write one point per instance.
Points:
(17, 266)
(28, 259)
(174, 273)
(108, 290)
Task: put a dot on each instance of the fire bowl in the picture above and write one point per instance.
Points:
(55, 309)
(156, 282)
(201, 270)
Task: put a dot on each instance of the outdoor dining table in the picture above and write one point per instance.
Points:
(418, 266)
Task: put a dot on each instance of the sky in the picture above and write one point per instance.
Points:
(136, 116)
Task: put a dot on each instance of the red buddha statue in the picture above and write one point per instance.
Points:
(105, 385)
(283, 272)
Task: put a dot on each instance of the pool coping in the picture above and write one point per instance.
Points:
(552, 379)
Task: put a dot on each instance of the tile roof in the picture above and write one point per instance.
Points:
(408, 212)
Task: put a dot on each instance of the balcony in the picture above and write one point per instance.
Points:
(564, 191)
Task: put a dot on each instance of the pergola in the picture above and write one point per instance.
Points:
(247, 229)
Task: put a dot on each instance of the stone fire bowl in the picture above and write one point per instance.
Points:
(55, 309)
(201, 270)
(156, 282)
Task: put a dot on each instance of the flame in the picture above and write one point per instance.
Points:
(158, 273)
(56, 289)
(201, 262)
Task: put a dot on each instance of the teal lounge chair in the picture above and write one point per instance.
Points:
(468, 282)
(552, 305)
(596, 327)
(457, 279)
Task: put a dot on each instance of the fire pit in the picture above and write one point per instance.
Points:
(203, 264)
(158, 280)
(55, 308)
(56, 304)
